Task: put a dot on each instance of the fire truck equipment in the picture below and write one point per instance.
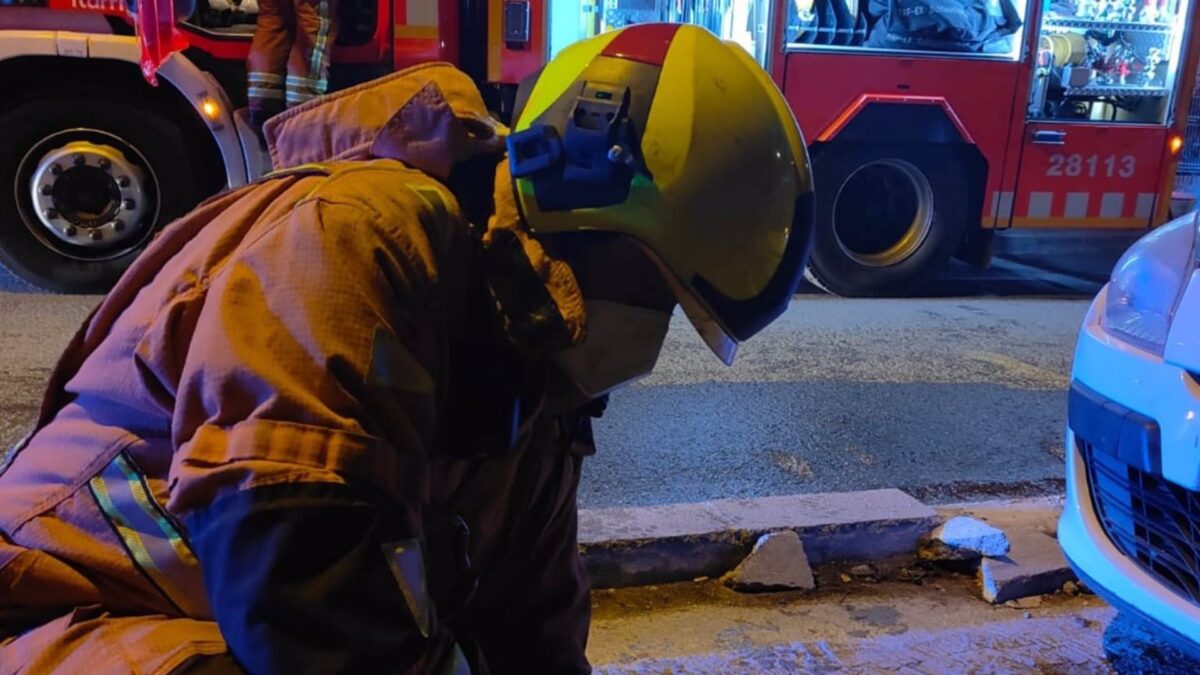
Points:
(923, 147)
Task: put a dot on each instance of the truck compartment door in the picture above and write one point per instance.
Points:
(1086, 175)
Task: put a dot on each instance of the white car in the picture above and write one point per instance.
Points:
(1131, 525)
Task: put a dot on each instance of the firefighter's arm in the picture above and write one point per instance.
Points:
(303, 417)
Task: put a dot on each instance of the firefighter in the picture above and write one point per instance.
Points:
(323, 425)
(289, 57)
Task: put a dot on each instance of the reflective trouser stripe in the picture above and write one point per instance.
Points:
(264, 86)
(264, 78)
(153, 540)
(264, 92)
(296, 97)
(312, 83)
(301, 89)
(317, 61)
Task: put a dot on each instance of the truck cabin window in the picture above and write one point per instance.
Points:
(981, 27)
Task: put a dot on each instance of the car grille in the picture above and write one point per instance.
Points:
(1152, 521)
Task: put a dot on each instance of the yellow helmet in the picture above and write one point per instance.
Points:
(666, 134)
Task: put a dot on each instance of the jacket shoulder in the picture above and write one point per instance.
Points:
(404, 207)
(388, 188)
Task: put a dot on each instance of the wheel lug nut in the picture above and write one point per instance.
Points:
(70, 231)
(118, 225)
(123, 181)
(79, 160)
(129, 204)
(47, 190)
(104, 163)
(51, 214)
(96, 234)
(55, 169)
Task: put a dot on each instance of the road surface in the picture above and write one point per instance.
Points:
(948, 398)
(891, 627)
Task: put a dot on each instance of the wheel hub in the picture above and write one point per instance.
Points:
(883, 212)
(89, 195)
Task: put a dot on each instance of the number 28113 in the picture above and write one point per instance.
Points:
(1095, 165)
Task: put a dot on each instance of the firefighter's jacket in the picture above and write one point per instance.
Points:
(260, 441)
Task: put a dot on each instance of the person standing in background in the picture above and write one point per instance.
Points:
(289, 58)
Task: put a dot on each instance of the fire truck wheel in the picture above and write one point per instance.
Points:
(888, 219)
(83, 187)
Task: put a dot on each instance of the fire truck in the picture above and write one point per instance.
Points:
(932, 124)
(93, 160)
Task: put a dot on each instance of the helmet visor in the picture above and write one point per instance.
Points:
(717, 338)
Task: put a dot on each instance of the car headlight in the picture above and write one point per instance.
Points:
(1147, 282)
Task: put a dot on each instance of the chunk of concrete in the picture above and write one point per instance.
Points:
(778, 562)
(862, 571)
(964, 538)
(1032, 602)
(1034, 566)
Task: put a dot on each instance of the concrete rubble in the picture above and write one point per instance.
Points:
(964, 538)
(845, 538)
(1035, 564)
(777, 562)
(862, 571)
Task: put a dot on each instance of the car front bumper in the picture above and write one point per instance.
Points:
(1122, 377)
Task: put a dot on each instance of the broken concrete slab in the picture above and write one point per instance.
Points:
(677, 542)
(776, 563)
(1034, 566)
(964, 538)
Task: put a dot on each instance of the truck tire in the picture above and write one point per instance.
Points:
(888, 218)
(84, 184)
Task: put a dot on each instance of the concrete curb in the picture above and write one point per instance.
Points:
(679, 542)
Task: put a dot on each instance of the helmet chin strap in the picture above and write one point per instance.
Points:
(529, 317)
(537, 298)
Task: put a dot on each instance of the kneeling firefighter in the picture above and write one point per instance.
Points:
(323, 425)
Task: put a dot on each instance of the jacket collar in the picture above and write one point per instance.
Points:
(431, 117)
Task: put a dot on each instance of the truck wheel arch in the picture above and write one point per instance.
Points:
(910, 129)
(41, 56)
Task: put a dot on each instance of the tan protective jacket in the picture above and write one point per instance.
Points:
(300, 331)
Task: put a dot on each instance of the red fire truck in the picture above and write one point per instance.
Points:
(931, 123)
(93, 159)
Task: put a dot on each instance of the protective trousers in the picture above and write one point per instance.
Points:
(289, 58)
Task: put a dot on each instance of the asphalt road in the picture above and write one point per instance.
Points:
(946, 397)
(955, 395)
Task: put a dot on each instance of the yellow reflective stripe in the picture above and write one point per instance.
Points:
(433, 198)
(154, 542)
(144, 500)
(312, 168)
(130, 537)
